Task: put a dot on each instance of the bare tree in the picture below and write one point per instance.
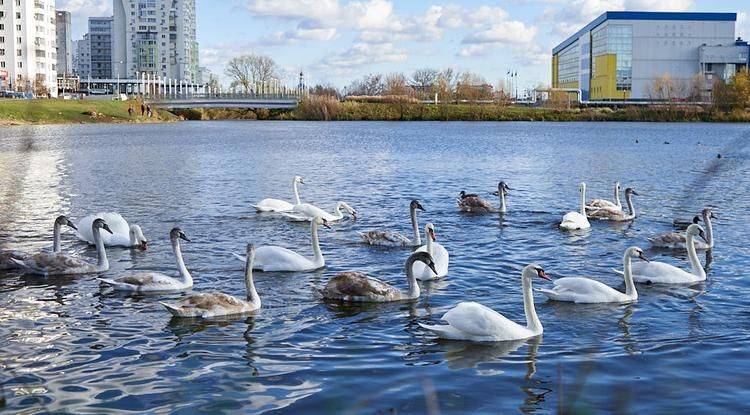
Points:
(325, 90)
(250, 70)
(395, 84)
(424, 81)
(446, 84)
(369, 85)
(473, 87)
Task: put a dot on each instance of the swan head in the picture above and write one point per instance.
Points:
(348, 209)
(696, 230)
(299, 179)
(696, 219)
(630, 191)
(64, 221)
(462, 195)
(137, 238)
(320, 221)
(425, 258)
(101, 224)
(636, 253)
(582, 187)
(708, 213)
(502, 188)
(617, 187)
(533, 270)
(177, 233)
(429, 230)
(414, 205)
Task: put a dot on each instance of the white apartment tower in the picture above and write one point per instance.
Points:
(156, 37)
(64, 43)
(28, 46)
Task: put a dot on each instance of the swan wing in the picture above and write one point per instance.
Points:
(607, 213)
(276, 258)
(310, 210)
(144, 282)
(120, 228)
(474, 205)
(7, 259)
(582, 290)
(440, 256)
(273, 205)
(356, 286)
(480, 321)
(601, 203)
(661, 273)
(384, 238)
(574, 220)
(207, 305)
(48, 263)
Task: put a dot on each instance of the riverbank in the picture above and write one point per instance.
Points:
(57, 111)
(26, 112)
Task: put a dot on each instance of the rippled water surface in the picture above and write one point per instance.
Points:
(70, 345)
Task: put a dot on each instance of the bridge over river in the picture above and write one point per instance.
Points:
(227, 100)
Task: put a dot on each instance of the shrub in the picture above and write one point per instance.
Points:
(318, 108)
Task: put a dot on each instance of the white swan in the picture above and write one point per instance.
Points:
(6, 257)
(358, 287)
(577, 220)
(277, 205)
(475, 322)
(391, 238)
(603, 203)
(215, 304)
(276, 258)
(51, 263)
(144, 282)
(438, 253)
(661, 273)
(305, 212)
(677, 240)
(615, 214)
(123, 234)
(472, 203)
(587, 291)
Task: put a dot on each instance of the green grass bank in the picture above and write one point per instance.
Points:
(57, 111)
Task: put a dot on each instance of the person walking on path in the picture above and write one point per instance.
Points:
(148, 110)
(143, 110)
(130, 111)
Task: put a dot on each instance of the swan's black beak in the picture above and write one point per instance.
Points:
(144, 246)
(106, 228)
(70, 224)
(354, 215)
(702, 235)
(643, 257)
(184, 237)
(635, 193)
(325, 223)
(421, 208)
(432, 267)
(713, 216)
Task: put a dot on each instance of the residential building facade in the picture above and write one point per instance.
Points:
(64, 43)
(619, 55)
(100, 44)
(83, 57)
(28, 46)
(157, 38)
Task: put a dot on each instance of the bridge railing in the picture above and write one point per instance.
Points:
(281, 95)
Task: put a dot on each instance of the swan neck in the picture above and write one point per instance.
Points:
(101, 253)
(503, 207)
(430, 245)
(184, 273)
(583, 201)
(630, 205)
(252, 294)
(417, 241)
(627, 265)
(317, 253)
(532, 320)
(296, 192)
(414, 291)
(337, 212)
(56, 238)
(709, 230)
(617, 198)
(695, 262)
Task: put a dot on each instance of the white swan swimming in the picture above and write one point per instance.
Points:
(123, 234)
(615, 214)
(51, 263)
(677, 240)
(472, 203)
(278, 205)
(577, 220)
(661, 273)
(276, 258)
(475, 322)
(358, 287)
(305, 212)
(147, 281)
(438, 253)
(391, 238)
(603, 203)
(587, 291)
(6, 257)
(215, 304)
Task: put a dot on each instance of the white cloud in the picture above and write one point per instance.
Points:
(361, 54)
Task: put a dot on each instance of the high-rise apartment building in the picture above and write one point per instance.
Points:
(100, 41)
(156, 37)
(83, 57)
(64, 43)
(28, 46)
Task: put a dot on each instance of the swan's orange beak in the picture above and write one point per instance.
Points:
(434, 237)
(543, 275)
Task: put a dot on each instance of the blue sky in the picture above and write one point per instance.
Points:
(336, 41)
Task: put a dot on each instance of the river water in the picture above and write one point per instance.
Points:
(71, 345)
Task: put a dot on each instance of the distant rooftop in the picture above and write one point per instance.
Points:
(684, 16)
